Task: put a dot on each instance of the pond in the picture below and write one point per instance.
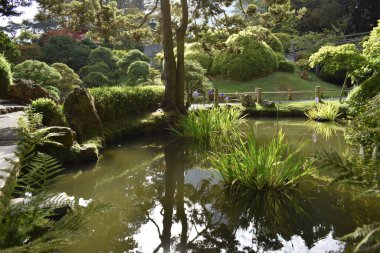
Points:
(168, 199)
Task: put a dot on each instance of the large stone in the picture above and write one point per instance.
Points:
(66, 137)
(248, 101)
(81, 114)
(268, 104)
(25, 91)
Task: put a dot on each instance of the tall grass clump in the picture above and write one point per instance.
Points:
(208, 127)
(323, 112)
(272, 166)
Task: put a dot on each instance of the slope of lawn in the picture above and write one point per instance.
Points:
(278, 81)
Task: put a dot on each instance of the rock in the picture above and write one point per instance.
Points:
(81, 114)
(25, 91)
(268, 104)
(88, 153)
(248, 102)
(66, 139)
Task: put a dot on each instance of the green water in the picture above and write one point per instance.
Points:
(167, 199)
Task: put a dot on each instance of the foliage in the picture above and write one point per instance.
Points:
(138, 71)
(195, 52)
(120, 102)
(69, 80)
(5, 76)
(309, 43)
(8, 48)
(269, 167)
(103, 54)
(208, 127)
(130, 57)
(39, 72)
(99, 66)
(95, 79)
(361, 94)
(286, 66)
(244, 58)
(195, 79)
(52, 113)
(371, 48)
(323, 112)
(29, 226)
(10, 8)
(285, 40)
(65, 49)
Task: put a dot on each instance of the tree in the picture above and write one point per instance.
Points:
(8, 48)
(340, 58)
(9, 7)
(371, 48)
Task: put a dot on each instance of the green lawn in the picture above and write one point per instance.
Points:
(279, 81)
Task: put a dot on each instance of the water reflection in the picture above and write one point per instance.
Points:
(168, 200)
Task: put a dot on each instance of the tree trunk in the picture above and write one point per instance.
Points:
(343, 87)
(169, 60)
(180, 74)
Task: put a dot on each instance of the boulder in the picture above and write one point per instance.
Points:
(25, 91)
(66, 138)
(248, 101)
(268, 104)
(81, 114)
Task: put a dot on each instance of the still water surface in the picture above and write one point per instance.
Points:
(167, 199)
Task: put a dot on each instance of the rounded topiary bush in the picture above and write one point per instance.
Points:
(195, 52)
(37, 71)
(287, 66)
(244, 59)
(103, 54)
(130, 57)
(52, 113)
(96, 79)
(5, 76)
(69, 80)
(138, 71)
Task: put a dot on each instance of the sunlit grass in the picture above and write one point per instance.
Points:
(323, 112)
(272, 166)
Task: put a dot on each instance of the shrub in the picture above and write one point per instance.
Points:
(195, 52)
(195, 80)
(323, 112)
(131, 56)
(208, 127)
(138, 71)
(260, 33)
(52, 113)
(285, 40)
(119, 102)
(287, 66)
(244, 59)
(371, 48)
(5, 76)
(8, 48)
(360, 95)
(103, 54)
(100, 67)
(269, 167)
(39, 72)
(95, 79)
(69, 80)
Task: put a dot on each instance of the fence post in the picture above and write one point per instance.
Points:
(290, 93)
(216, 97)
(258, 95)
(318, 92)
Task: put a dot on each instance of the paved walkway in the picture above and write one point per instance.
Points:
(8, 139)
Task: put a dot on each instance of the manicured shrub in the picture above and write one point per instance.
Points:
(260, 33)
(285, 40)
(5, 76)
(280, 56)
(37, 71)
(361, 94)
(52, 113)
(195, 52)
(100, 67)
(138, 71)
(195, 80)
(287, 66)
(103, 54)
(130, 57)
(244, 59)
(95, 79)
(69, 80)
(117, 103)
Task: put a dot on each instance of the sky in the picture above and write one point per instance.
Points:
(27, 13)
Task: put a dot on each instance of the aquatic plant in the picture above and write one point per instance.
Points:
(209, 127)
(323, 112)
(271, 166)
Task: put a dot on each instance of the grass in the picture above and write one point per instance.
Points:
(268, 167)
(208, 126)
(278, 81)
(326, 112)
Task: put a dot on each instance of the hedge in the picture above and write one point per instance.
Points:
(117, 103)
(287, 66)
(52, 113)
(5, 76)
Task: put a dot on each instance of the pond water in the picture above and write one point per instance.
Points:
(167, 199)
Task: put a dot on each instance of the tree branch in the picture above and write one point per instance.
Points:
(148, 14)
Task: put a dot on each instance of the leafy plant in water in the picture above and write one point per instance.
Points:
(271, 166)
(29, 225)
(364, 171)
(323, 112)
(209, 127)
